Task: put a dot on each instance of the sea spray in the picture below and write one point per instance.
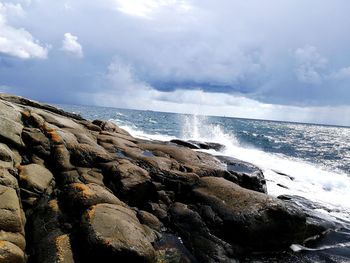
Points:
(316, 157)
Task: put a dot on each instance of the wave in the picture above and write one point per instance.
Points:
(310, 181)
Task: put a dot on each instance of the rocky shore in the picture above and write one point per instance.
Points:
(72, 190)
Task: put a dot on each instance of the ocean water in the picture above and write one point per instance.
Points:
(317, 157)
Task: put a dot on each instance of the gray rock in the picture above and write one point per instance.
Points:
(35, 177)
(126, 241)
(10, 132)
(10, 212)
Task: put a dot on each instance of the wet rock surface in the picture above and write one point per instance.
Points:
(72, 190)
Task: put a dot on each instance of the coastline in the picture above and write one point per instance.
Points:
(92, 185)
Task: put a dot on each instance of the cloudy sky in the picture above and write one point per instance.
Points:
(271, 59)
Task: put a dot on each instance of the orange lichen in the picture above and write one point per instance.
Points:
(26, 114)
(54, 205)
(84, 189)
(90, 212)
(107, 242)
(60, 243)
(54, 136)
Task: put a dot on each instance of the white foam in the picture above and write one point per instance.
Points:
(134, 131)
(332, 189)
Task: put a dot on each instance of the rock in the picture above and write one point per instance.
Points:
(15, 238)
(185, 144)
(48, 240)
(10, 253)
(86, 155)
(88, 175)
(149, 220)
(6, 156)
(82, 196)
(10, 132)
(254, 220)
(209, 145)
(35, 104)
(61, 157)
(7, 179)
(110, 127)
(10, 212)
(186, 206)
(35, 177)
(199, 145)
(126, 241)
(131, 183)
(196, 236)
(244, 174)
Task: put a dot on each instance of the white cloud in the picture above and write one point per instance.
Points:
(71, 45)
(146, 8)
(309, 65)
(127, 91)
(17, 41)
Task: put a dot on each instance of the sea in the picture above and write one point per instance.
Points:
(311, 161)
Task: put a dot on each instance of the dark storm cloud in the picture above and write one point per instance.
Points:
(290, 52)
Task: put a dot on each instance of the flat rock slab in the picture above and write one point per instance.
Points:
(114, 232)
(35, 177)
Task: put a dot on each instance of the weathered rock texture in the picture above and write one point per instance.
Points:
(72, 190)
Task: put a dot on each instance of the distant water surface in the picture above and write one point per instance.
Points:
(316, 156)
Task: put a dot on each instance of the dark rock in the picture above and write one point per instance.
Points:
(283, 174)
(245, 174)
(50, 243)
(149, 220)
(185, 144)
(197, 237)
(209, 145)
(254, 220)
(130, 182)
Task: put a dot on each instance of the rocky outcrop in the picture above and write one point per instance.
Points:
(72, 190)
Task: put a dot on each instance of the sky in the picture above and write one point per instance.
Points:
(272, 59)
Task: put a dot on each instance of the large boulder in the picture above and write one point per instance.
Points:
(254, 220)
(114, 233)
